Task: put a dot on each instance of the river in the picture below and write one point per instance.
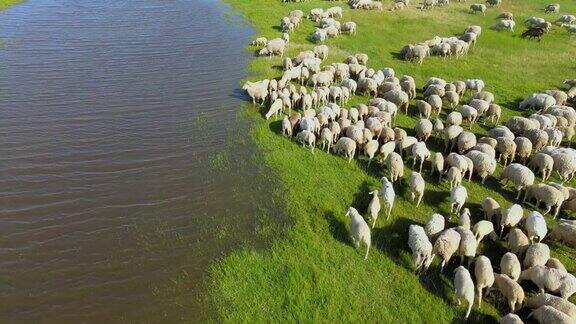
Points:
(124, 165)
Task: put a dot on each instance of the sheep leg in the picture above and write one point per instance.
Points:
(468, 310)
(419, 199)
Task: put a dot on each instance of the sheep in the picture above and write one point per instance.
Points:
(445, 246)
(564, 164)
(483, 228)
(506, 148)
(543, 193)
(501, 131)
(478, 7)
(484, 276)
(389, 196)
(511, 217)
(436, 164)
(321, 51)
(374, 207)
(511, 290)
(494, 3)
(349, 27)
(307, 138)
(517, 241)
(550, 279)
(464, 288)
(511, 319)
(475, 84)
(538, 101)
(421, 247)
(552, 8)
(286, 127)
(518, 125)
(520, 176)
(454, 177)
(560, 96)
(536, 254)
(275, 46)
(434, 89)
(454, 118)
(395, 166)
(548, 314)
(416, 52)
(469, 113)
(466, 141)
(468, 245)
(319, 35)
(535, 227)
(450, 135)
(523, 148)
(486, 149)
(452, 99)
(408, 85)
(504, 24)
(556, 264)
(558, 303)
(510, 266)
(345, 146)
(484, 165)
(326, 138)
(438, 127)
(564, 232)
(260, 41)
(399, 98)
(458, 196)
(424, 109)
(566, 19)
(490, 207)
(464, 218)
(360, 230)
(423, 129)
(419, 152)
(538, 138)
(417, 184)
(368, 86)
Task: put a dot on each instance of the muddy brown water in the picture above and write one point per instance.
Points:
(115, 191)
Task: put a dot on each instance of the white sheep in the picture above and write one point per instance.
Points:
(419, 152)
(490, 207)
(538, 101)
(468, 245)
(345, 146)
(387, 192)
(556, 264)
(417, 184)
(517, 241)
(458, 196)
(510, 265)
(307, 138)
(520, 176)
(326, 138)
(558, 303)
(564, 232)
(484, 275)
(548, 314)
(551, 279)
(374, 207)
(395, 166)
(536, 254)
(543, 163)
(483, 164)
(436, 164)
(504, 24)
(445, 246)
(511, 290)
(549, 195)
(370, 149)
(474, 84)
(454, 177)
(511, 319)
(535, 226)
(464, 287)
(511, 217)
(464, 218)
(360, 230)
(421, 247)
(435, 226)
(483, 228)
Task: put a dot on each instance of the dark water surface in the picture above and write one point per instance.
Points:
(115, 188)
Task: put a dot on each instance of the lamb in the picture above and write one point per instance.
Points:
(464, 288)
(520, 176)
(564, 232)
(511, 319)
(458, 196)
(423, 129)
(558, 303)
(435, 226)
(454, 177)
(326, 138)
(511, 217)
(490, 207)
(419, 152)
(510, 266)
(374, 208)
(389, 195)
(260, 41)
(395, 166)
(517, 241)
(421, 247)
(550, 279)
(483, 228)
(484, 276)
(483, 164)
(286, 127)
(511, 290)
(345, 146)
(436, 164)
(417, 184)
(464, 218)
(478, 7)
(543, 193)
(360, 230)
(548, 314)
(542, 163)
(536, 254)
(493, 113)
(445, 246)
(535, 226)
(504, 24)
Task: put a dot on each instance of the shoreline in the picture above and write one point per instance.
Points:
(5, 4)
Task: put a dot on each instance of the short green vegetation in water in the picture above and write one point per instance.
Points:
(311, 273)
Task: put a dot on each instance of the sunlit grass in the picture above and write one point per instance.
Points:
(312, 273)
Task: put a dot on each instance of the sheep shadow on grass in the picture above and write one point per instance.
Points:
(392, 239)
(397, 55)
(338, 228)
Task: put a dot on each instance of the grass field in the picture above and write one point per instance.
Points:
(311, 273)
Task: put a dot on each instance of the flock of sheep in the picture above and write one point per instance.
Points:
(524, 145)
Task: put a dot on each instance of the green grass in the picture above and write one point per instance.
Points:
(8, 3)
(311, 272)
